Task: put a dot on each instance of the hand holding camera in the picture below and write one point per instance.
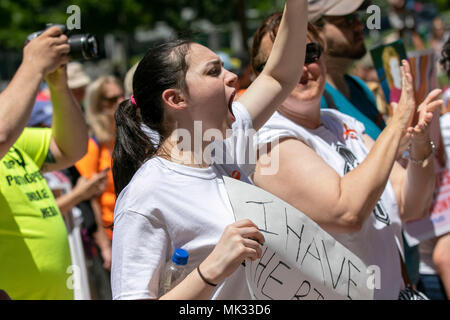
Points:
(46, 53)
(55, 45)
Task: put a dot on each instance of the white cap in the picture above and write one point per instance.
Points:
(320, 8)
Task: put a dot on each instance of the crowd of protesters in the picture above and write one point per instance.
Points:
(95, 193)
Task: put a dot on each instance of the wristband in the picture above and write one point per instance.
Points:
(420, 162)
(204, 279)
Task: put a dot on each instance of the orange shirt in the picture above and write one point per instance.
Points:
(97, 159)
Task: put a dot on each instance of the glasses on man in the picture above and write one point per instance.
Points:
(313, 53)
(347, 21)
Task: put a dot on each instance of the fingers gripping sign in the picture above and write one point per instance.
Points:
(240, 240)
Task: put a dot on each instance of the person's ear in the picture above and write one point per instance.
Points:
(174, 99)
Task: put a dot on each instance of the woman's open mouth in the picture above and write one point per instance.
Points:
(230, 104)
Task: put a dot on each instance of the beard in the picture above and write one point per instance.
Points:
(341, 50)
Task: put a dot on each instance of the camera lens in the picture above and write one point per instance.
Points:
(83, 46)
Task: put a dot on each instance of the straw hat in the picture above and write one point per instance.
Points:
(76, 77)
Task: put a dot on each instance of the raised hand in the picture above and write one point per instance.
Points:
(48, 52)
(420, 129)
(404, 110)
(57, 78)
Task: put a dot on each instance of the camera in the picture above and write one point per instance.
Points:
(82, 46)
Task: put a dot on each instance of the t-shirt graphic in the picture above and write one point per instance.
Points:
(351, 162)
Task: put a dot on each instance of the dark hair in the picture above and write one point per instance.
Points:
(445, 59)
(270, 26)
(163, 67)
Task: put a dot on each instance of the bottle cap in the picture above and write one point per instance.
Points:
(180, 257)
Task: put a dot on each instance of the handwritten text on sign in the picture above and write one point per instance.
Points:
(300, 260)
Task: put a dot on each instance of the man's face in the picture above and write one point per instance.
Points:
(344, 36)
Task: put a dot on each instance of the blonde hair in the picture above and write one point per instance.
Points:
(101, 125)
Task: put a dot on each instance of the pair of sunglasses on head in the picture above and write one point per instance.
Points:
(313, 53)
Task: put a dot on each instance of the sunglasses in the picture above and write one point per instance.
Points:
(313, 53)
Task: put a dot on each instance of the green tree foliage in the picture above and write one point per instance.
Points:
(18, 18)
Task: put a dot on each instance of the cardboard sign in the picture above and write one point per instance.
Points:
(423, 70)
(300, 261)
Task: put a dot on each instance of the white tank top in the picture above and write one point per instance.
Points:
(338, 141)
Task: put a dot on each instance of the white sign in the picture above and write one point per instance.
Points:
(300, 260)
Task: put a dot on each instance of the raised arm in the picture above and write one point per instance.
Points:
(69, 130)
(283, 69)
(338, 204)
(41, 56)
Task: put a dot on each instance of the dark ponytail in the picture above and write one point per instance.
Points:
(162, 67)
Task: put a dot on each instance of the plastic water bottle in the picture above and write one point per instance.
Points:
(174, 272)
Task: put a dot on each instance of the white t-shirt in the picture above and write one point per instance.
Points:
(338, 141)
(168, 206)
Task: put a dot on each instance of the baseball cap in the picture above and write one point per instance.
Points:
(320, 8)
(76, 77)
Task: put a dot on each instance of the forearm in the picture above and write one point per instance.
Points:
(339, 204)
(16, 104)
(67, 201)
(68, 126)
(362, 188)
(283, 68)
(419, 183)
(288, 53)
